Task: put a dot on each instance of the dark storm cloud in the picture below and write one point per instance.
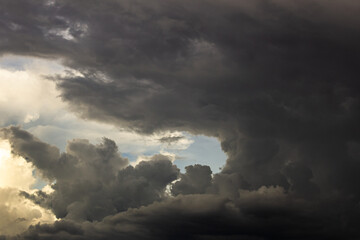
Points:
(207, 216)
(275, 81)
(196, 180)
(92, 181)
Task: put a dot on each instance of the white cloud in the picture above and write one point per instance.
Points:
(15, 172)
(145, 158)
(17, 213)
(25, 94)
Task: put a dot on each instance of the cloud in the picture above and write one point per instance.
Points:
(17, 212)
(162, 155)
(91, 181)
(30, 100)
(275, 81)
(25, 96)
(205, 216)
(170, 139)
(15, 172)
(96, 200)
(196, 180)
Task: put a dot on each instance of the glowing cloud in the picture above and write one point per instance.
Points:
(17, 213)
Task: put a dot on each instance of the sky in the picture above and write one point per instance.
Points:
(206, 119)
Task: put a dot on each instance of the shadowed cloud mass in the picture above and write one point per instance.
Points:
(275, 81)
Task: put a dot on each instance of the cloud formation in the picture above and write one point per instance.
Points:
(275, 81)
(17, 213)
(91, 181)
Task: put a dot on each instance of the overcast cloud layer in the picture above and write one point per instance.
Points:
(275, 81)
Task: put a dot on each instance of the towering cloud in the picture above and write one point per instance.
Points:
(275, 81)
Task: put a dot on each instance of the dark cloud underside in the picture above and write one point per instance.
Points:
(275, 81)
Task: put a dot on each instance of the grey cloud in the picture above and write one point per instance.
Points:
(275, 81)
(170, 139)
(300, 177)
(42, 155)
(196, 180)
(92, 181)
(207, 216)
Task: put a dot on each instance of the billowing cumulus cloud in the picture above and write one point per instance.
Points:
(275, 81)
(17, 212)
(91, 181)
(196, 180)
